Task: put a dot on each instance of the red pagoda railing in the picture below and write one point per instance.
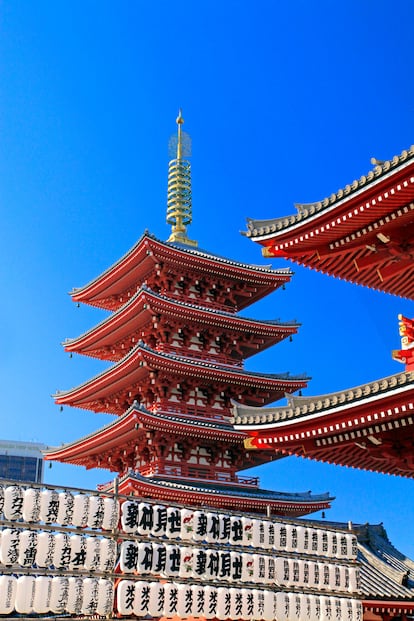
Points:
(193, 473)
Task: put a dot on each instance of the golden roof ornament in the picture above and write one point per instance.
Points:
(179, 205)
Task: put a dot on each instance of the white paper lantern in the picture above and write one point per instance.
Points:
(8, 587)
(59, 594)
(145, 554)
(9, 546)
(281, 536)
(282, 571)
(315, 575)
(300, 530)
(262, 530)
(213, 527)
(128, 557)
(247, 568)
(173, 561)
(185, 601)
(65, 511)
(248, 531)
(105, 603)
(326, 609)
(283, 607)
(31, 505)
(110, 514)
(248, 602)
(199, 600)
(270, 531)
(173, 529)
(142, 598)
(236, 530)
(291, 538)
(270, 570)
(90, 596)
(212, 564)
(187, 524)
(27, 548)
(75, 596)
(223, 603)
(108, 555)
(353, 552)
(125, 597)
(1, 500)
(45, 549)
(95, 512)
(157, 598)
(49, 506)
(62, 551)
(236, 603)
(13, 503)
(269, 611)
(43, 592)
(159, 520)
(171, 599)
(357, 610)
(225, 565)
(145, 519)
(92, 553)
(210, 609)
(25, 593)
(129, 516)
(199, 562)
(236, 566)
(77, 552)
(80, 510)
(200, 526)
(354, 580)
(187, 562)
(159, 559)
(343, 541)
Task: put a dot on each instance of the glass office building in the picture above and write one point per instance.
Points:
(21, 461)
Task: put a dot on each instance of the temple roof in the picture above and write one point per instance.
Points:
(126, 429)
(99, 393)
(369, 427)
(132, 270)
(224, 496)
(364, 233)
(382, 568)
(139, 309)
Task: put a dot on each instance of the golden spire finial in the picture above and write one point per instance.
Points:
(179, 212)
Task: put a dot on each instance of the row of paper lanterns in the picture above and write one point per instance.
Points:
(169, 560)
(145, 519)
(58, 595)
(81, 510)
(141, 598)
(29, 548)
(64, 508)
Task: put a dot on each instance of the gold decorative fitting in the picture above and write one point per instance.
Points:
(179, 204)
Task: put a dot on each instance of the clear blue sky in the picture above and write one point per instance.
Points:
(285, 102)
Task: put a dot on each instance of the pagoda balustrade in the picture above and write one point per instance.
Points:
(205, 356)
(207, 413)
(178, 471)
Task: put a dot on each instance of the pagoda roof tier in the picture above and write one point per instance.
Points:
(149, 255)
(116, 334)
(115, 389)
(124, 431)
(370, 427)
(223, 496)
(364, 233)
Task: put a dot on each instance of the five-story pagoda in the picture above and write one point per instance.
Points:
(177, 346)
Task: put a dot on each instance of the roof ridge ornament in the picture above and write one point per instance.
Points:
(179, 204)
